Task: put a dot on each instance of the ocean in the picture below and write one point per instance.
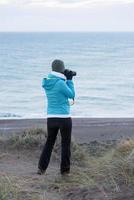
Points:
(104, 63)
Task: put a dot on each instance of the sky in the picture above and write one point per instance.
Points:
(66, 15)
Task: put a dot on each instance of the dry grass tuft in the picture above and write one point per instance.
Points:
(125, 147)
(28, 139)
(8, 189)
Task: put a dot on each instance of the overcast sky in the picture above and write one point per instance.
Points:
(66, 15)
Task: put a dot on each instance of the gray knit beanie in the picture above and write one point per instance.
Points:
(58, 66)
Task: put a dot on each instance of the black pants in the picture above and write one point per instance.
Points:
(53, 126)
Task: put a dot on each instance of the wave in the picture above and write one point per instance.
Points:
(8, 115)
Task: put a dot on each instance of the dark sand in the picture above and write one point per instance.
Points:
(85, 130)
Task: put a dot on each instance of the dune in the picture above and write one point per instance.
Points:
(100, 169)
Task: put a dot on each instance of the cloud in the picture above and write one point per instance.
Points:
(31, 15)
(64, 3)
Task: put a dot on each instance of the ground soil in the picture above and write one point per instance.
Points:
(21, 165)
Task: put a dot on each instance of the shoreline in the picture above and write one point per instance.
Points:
(84, 130)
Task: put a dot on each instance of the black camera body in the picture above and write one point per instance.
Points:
(72, 73)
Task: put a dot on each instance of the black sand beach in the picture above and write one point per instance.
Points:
(85, 130)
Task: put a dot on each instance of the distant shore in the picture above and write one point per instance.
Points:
(84, 130)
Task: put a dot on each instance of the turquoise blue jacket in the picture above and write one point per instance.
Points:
(58, 92)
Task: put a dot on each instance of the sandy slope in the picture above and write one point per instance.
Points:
(20, 165)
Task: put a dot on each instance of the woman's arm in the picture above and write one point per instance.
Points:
(67, 88)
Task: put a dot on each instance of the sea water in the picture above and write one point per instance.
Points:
(104, 63)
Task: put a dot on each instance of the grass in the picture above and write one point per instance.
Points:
(28, 139)
(116, 161)
(107, 172)
(8, 189)
(34, 138)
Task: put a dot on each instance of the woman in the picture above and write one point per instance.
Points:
(58, 88)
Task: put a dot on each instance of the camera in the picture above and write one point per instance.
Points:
(72, 73)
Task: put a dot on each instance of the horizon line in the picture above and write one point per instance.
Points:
(132, 31)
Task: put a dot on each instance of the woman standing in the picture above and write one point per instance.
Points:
(59, 88)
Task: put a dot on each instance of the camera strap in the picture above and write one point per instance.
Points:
(71, 104)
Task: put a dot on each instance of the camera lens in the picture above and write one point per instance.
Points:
(73, 73)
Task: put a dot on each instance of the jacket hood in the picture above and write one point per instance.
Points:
(49, 82)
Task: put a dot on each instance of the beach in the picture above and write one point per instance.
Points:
(84, 130)
(102, 160)
(67, 58)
